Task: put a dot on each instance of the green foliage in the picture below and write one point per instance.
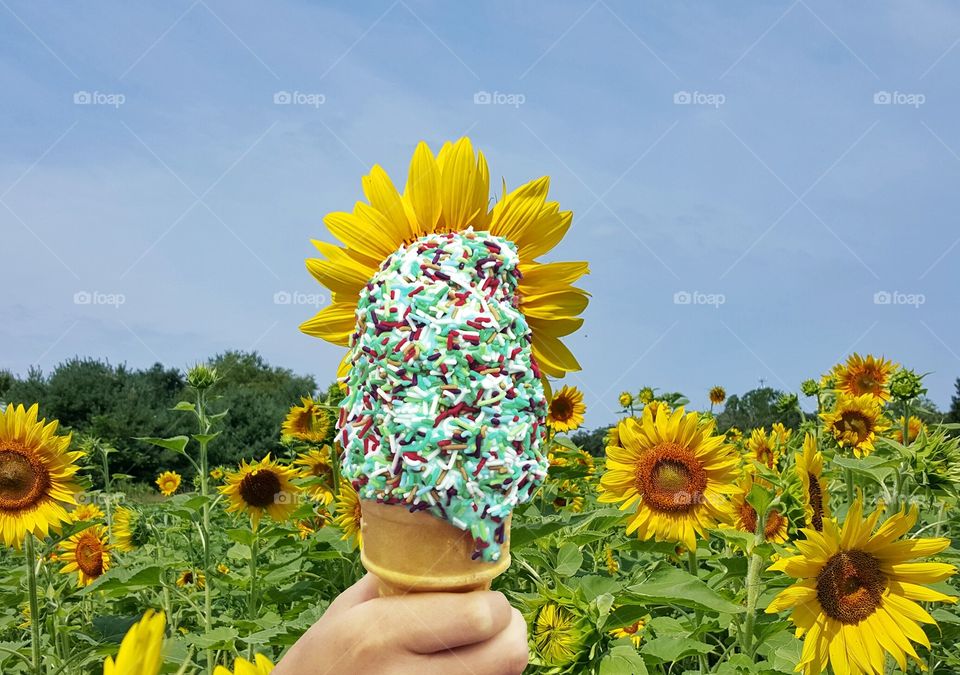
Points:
(756, 408)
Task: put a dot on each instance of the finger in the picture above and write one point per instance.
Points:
(504, 654)
(366, 589)
(431, 622)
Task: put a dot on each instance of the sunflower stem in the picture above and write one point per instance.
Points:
(254, 553)
(753, 594)
(694, 566)
(204, 425)
(30, 555)
(848, 480)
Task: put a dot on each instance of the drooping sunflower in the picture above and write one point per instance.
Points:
(141, 650)
(674, 472)
(634, 631)
(718, 395)
(317, 466)
(87, 553)
(348, 514)
(745, 516)
(260, 665)
(856, 592)
(169, 482)
(566, 410)
(36, 475)
(87, 511)
(855, 422)
(192, 578)
(860, 376)
(307, 422)
(816, 498)
(263, 487)
(557, 634)
(128, 529)
(914, 427)
(450, 193)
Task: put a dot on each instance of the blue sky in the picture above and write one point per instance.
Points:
(788, 168)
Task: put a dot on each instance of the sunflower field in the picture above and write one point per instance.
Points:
(820, 548)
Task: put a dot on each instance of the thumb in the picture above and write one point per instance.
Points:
(366, 589)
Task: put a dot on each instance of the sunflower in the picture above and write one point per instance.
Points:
(633, 631)
(674, 473)
(856, 590)
(168, 482)
(348, 514)
(307, 422)
(36, 476)
(766, 448)
(87, 512)
(861, 376)
(625, 399)
(816, 498)
(613, 565)
(305, 529)
(734, 434)
(612, 437)
(855, 422)
(223, 569)
(262, 487)
(450, 193)
(141, 650)
(191, 578)
(645, 395)
(87, 553)
(557, 634)
(128, 529)
(217, 473)
(261, 665)
(914, 427)
(745, 516)
(717, 395)
(656, 407)
(317, 466)
(566, 410)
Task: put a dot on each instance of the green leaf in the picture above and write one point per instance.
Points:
(526, 534)
(672, 648)
(625, 615)
(565, 442)
(873, 466)
(760, 498)
(672, 586)
(569, 560)
(240, 535)
(218, 638)
(594, 585)
(623, 660)
(185, 406)
(177, 443)
(204, 439)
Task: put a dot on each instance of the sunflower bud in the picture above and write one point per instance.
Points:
(786, 402)
(810, 387)
(906, 385)
(626, 399)
(202, 377)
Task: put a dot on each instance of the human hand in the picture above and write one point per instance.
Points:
(475, 633)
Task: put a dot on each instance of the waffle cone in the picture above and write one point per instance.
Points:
(416, 552)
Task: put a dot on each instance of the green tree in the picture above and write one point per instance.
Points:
(756, 408)
(954, 414)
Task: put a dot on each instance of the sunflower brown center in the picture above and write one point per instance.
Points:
(24, 480)
(321, 470)
(816, 502)
(90, 556)
(632, 628)
(670, 478)
(867, 382)
(187, 577)
(260, 488)
(850, 586)
(855, 422)
(561, 409)
(748, 516)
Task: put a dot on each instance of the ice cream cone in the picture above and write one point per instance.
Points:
(416, 552)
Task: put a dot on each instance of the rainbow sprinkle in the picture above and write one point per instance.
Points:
(445, 409)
